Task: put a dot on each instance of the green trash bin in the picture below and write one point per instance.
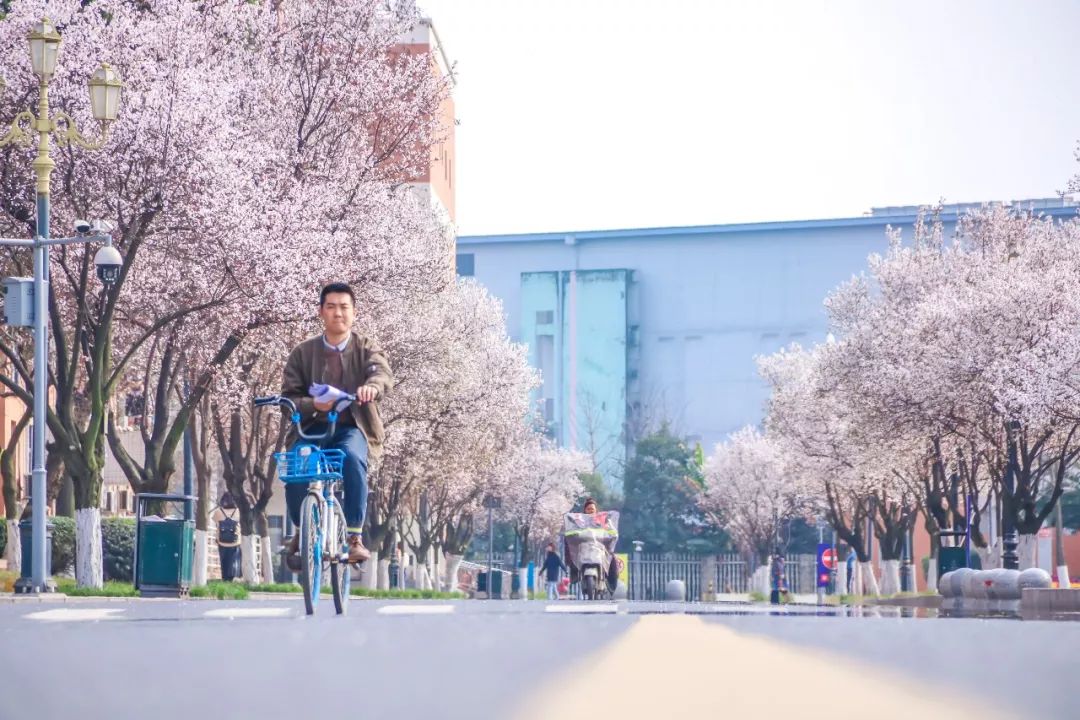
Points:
(954, 558)
(164, 545)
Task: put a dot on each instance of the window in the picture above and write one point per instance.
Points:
(549, 409)
(545, 317)
(123, 501)
(466, 265)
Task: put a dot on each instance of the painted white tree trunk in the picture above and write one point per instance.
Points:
(890, 577)
(1063, 576)
(369, 572)
(429, 570)
(13, 551)
(841, 578)
(856, 582)
(250, 571)
(759, 581)
(1028, 550)
(870, 583)
(88, 564)
(384, 574)
(423, 580)
(453, 564)
(931, 575)
(198, 572)
(986, 558)
(266, 560)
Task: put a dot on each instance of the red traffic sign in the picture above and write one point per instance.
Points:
(828, 558)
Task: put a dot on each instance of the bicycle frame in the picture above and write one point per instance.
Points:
(318, 469)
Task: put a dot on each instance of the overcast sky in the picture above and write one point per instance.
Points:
(596, 114)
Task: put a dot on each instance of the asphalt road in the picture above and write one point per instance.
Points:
(507, 659)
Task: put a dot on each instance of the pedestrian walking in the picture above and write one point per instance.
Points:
(779, 583)
(227, 518)
(553, 567)
(850, 570)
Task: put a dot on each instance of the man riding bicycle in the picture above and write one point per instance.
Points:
(348, 361)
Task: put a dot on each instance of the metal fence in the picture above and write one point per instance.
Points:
(650, 574)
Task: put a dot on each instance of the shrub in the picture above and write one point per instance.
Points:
(118, 548)
(63, 544)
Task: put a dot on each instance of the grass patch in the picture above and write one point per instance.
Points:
(407, 594)
(112, 588)
(758, 597)
(220, 590)
(274, 588)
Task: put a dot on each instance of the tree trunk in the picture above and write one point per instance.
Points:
(65, 500)
(198, 571)
(13, 551)
(870, 583)
(369, 571)
(383, 579)
(453, 564)
(1059, 549)
(931, 575)
(266, 560)
(841, 578)
(249, 559)
(88, 561)
(1028, 550)
(890, 577)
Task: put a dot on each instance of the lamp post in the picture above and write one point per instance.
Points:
(105, 89)
(1009, 559)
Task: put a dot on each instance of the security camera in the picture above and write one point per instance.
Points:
(103, 227)
(108, 262)
(82, 227)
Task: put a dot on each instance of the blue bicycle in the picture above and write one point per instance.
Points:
(324, 540)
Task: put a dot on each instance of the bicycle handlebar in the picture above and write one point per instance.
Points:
(294, 414)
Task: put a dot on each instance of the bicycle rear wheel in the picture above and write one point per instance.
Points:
(340, 571)
(310, 551)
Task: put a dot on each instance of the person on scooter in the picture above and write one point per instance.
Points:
(590, 508)
(349, 361)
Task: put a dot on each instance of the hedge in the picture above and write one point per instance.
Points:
(118, 548)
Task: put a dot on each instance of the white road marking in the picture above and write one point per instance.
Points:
(232, 613)
(415, 609)
(76, 614)
(582, 608)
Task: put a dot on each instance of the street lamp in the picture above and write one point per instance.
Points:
(105, 86)
(1010, 541)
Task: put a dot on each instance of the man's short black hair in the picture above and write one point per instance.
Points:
(336, 287)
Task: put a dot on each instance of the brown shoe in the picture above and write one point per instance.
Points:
(357, 552)
(291, 550)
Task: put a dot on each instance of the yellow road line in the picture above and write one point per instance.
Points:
(678, 666)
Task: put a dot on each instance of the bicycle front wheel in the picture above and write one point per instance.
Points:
(340, 571)
(311, 551)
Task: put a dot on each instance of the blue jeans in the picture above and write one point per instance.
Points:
(354, 476)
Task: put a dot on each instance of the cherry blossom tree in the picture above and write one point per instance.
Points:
(260, 135)
(542, 487)
(751, 493)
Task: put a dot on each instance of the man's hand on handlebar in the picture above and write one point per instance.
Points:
(366, 394)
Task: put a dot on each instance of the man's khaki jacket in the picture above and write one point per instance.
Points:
(362, 364)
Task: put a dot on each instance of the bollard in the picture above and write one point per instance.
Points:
(945, 588)
(1033, 578)
(675, 591)
(958, 576)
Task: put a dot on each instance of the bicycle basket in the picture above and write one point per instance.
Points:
(307, 463)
